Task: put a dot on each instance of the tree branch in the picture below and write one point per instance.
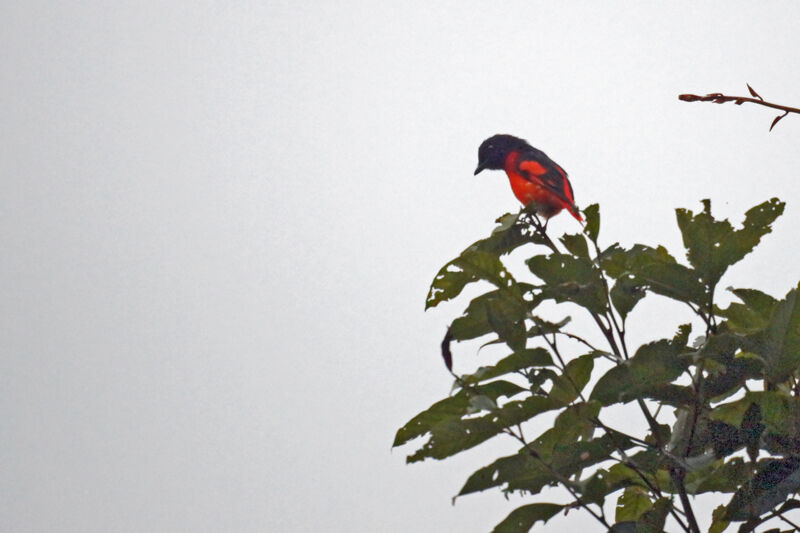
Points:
(719, 98)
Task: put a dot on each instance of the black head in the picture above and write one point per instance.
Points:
(493, 151)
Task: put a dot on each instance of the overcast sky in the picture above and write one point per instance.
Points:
(219, 221)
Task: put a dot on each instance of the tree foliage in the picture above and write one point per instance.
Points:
(719, 414)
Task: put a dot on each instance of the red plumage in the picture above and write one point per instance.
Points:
(534, 177)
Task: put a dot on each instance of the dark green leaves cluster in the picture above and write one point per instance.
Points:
(732, 394)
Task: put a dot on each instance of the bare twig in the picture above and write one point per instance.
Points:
(719, 98)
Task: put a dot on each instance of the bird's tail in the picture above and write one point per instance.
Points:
(574, 211)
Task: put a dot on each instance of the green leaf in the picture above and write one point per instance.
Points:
(473, 264)
(656, 270)
(752, 428)
(675, 395)
(623, 527)
(452, 436)
(520, 467)
(510, 234)
(604, 482)
(592, 228)
(750, 316)
(719, 477)
(720, 347)
(625, 294)
(702, 237)
(448, 284)
(735, 373)
(653, 520)
(779, 411)
(718, 522)
(543, 327)
(632, 504)
(576, 245)
(532, 357)
(508, 325)
(575, 456)
(654, 364)
(576, 375)
(523, 518)
(775, 481)
(523, 472)
(724, 438)
(621, 475)
(572, 424)
(713, 245)
(570, 279)
(779, 343)
(596, 488)
(500, 311)
(452, 408)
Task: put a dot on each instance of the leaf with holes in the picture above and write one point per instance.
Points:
(470, 266)
(452, 408)
(510, 234)
(455, 435)
(713, 245)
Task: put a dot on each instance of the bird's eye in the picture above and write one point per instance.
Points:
(490, 146)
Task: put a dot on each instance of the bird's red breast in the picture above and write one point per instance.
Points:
(546, 186)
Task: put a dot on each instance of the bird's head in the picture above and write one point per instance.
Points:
(494, 150)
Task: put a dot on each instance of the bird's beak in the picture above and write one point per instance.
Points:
(478, 170)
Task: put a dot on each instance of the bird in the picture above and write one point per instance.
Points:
(535, 178)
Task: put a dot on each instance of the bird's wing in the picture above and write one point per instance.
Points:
(545, 172)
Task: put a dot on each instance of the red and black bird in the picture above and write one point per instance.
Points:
(534, 177)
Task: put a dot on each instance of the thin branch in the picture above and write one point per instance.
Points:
(554, 347)
(582, 341)
(534, 221)
(657, 492)
(778, 514)
(719, 98)
(677, 478)
(620, 330)
(699, 312)
(643, 443)
(541, 230)
(627, 461)
(564, 481)
(677, 473)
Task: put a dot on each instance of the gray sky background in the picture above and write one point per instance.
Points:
(219, 221)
